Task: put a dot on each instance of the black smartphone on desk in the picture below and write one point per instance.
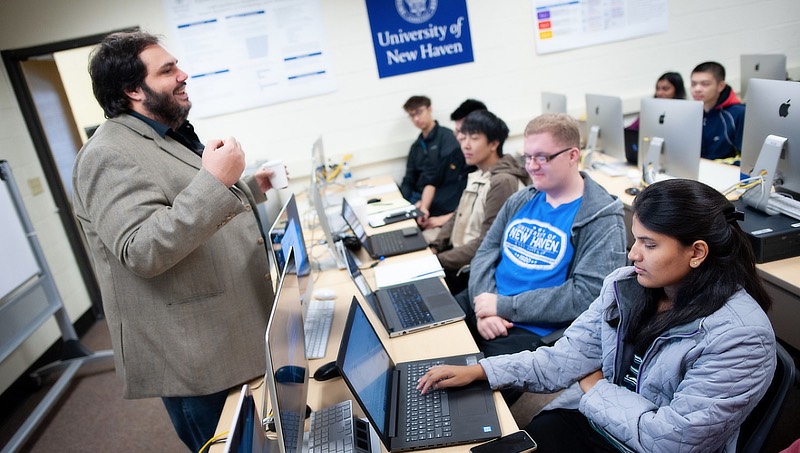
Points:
(518, 442)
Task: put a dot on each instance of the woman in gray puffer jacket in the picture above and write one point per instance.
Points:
(673, 355)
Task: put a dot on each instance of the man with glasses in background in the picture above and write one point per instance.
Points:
(544, 259)
(433, 144)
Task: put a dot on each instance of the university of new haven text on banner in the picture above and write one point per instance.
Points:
(417, 35)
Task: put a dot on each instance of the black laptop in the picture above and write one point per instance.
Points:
(390, 243)
(404, 419)
(408, 307)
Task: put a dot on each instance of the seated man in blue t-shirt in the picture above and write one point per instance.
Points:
(545, 257)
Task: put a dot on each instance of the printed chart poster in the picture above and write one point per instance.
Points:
(250, 53)
(417, 35)
(562, 25)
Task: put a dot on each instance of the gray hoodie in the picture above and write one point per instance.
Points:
(598, 236)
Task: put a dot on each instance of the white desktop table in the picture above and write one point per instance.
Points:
(451, 339)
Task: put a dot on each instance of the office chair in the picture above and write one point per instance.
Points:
(759, 423)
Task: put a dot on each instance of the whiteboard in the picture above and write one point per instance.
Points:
(17, 260)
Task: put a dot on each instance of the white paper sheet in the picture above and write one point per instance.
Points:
(407, 271)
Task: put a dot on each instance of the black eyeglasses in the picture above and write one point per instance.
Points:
(542, 159)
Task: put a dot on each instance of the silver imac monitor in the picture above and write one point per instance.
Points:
(325, 226)
(554, 102)
(287, 232)
(670, 136)
(319, 169)
(761, 66)
(604, 126)
(287, 371)
(770, 111)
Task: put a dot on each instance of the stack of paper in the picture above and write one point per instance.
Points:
(376, 191)
(382, 207)
(407, 271)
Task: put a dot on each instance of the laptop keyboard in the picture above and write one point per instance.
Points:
(390, 242)
(332, 429)
(428, 415)
(408, 304)
(317, 326)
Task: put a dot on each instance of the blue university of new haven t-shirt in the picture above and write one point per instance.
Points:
(537, 249)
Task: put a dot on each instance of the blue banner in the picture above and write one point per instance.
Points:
(417, 35)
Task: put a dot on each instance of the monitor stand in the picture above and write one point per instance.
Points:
(612, 167)
(766, 166)
(651, 166)
(329, 260)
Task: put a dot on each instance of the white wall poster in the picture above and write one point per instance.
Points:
(250, 53)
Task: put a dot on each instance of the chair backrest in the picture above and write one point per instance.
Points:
(759, 423)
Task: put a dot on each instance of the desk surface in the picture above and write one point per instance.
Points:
(451, 339)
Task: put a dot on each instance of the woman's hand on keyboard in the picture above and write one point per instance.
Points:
(444, 376)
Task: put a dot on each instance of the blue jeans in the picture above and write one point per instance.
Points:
(195, 418)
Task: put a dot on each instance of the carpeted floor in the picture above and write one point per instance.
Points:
(92, 416)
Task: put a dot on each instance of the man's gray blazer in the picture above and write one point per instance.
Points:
(180, 260)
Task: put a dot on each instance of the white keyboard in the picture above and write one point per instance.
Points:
(317, 326)
(332, 429)
(611, 168)
(784, 205)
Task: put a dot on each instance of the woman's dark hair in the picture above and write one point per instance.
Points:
(115, 67)
(486, 123)
(676, 81)
(689, 211)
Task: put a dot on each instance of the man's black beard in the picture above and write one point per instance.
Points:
(165, 108)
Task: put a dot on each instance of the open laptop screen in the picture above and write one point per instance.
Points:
(352, 220)
(368, 369)
(357, 277)
(363, 286)
(287, 232)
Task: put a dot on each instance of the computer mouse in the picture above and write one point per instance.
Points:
(632, 191)
(327, 371)
(410, 231)
(324, 294)
(351, 243)
(290, 374)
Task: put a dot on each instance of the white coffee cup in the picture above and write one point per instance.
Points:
(278, 179)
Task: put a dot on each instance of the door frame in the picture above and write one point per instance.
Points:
(12, 59)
